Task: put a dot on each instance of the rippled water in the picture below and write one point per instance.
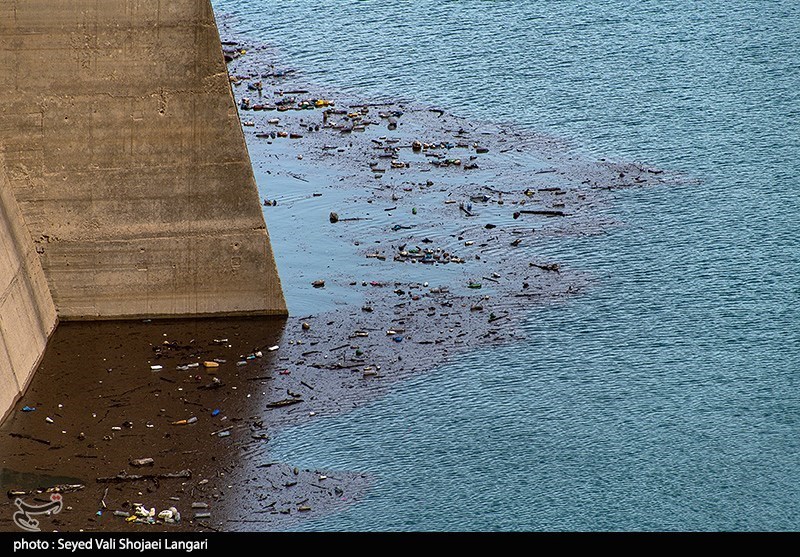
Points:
(667, 397)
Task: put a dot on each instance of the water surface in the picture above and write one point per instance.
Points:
(664, 398)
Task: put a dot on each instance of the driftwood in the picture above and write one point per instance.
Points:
(124, 477)
(497, 191)
(284, 402)
(494, 317)
(30, 438)
(545, 212)
(61, 488)
(551, 267)
(204, 525)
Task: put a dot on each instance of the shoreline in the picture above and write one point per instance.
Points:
(442, 255)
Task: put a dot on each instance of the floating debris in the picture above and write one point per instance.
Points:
(125, 477)
(284, 402)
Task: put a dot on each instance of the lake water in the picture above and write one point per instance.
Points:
(668, 395)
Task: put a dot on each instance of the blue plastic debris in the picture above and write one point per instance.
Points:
(28, 409)
(398, 338)
(215, 412)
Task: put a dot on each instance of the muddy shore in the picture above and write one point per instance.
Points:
(405, 236)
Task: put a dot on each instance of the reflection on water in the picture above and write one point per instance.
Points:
(100, 404)
(28, 481)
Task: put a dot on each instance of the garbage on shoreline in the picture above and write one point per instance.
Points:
(142, 515)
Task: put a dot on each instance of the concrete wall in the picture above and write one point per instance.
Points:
(125, 153)
(27, 313)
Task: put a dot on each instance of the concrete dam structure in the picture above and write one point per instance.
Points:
(27, 312)
(127, 188)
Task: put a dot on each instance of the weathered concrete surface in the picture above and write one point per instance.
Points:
(27, 313)
(127, 159)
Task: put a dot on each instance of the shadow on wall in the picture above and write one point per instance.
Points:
(27, 313)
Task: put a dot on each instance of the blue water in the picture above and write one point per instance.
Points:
(667, 396)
